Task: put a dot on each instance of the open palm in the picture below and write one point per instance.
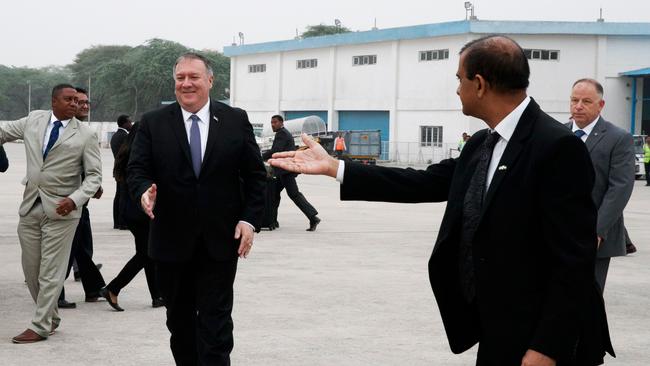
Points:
(313, 160)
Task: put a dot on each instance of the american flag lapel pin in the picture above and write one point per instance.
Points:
(503, 168)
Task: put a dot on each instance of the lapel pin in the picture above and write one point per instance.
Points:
(215, 118)
(503, 167)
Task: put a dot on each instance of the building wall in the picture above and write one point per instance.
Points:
(418, 93)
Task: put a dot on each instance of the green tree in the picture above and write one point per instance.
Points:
(323, 30)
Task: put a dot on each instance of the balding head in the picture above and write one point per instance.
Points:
(499, 60)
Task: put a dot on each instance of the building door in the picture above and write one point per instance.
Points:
(368, 120)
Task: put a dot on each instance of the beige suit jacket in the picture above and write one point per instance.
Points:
(76, 152)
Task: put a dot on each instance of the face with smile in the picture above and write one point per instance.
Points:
(84, 106)
(192, 84)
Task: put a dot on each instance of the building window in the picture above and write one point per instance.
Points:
(257, 68)
(546, 55)
(307, 64)
(433, 55)
(364, 60)
(431, 136)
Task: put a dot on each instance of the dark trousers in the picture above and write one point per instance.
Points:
(118, 221)
(602, 265)
(139, 261)
(288, 182)
(91, 278)
(198, 295)
(647, 173)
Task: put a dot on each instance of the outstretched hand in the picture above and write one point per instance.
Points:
(313, 160)
(148, 200)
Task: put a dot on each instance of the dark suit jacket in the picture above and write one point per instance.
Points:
(612, 154)
(117, 140)
(206, 209)
(4, 162)
(534, 249)
(283, 141)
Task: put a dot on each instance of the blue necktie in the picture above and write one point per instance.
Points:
(195, 144)
(54, 135)
(579, 133)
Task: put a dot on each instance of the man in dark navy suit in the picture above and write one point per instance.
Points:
(513, 266)
(197, 170)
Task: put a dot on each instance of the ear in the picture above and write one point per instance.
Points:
(211, 80)
(480, 84)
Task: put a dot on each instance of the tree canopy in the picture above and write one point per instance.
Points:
(120, 79)
(323, 30)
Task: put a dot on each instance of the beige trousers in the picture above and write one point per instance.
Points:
(46, 246)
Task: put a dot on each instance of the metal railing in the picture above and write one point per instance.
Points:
(413, 153)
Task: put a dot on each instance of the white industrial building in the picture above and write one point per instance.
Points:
(402, 80)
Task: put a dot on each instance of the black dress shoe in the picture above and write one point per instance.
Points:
(93, 296)
(313, 222)
(64, 304)
(157, 302)
(630, 248)
(105, 293)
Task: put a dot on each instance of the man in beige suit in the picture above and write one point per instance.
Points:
(59, 150)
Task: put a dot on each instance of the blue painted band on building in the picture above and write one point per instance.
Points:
(445, 29)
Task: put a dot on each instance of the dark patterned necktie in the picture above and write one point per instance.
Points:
(195, 144)
(54, 135)
(579, 133)
(472, 205)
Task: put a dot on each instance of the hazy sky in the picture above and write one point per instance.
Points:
(38, 33)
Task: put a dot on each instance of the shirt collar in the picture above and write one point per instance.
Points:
(588, 128)
(507, 126)
(63, 122)
(203, 113)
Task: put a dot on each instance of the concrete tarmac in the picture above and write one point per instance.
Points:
(355, 292)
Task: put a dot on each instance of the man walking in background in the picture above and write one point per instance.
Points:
(123, 126)
(60, 150)
(283, 141)
(612, 153)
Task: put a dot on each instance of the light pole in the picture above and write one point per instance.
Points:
(29, 96)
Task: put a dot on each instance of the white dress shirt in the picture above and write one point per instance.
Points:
(204, 125)
(505, 128)
(588, 128)
(50, 126)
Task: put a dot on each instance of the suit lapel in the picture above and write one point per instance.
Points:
(42, 127)
(596, 134)
(513, 149)
(69, 131)
(215, 123)
(178, 127)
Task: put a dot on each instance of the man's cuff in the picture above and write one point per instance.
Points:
(340, 172)
(248, 223)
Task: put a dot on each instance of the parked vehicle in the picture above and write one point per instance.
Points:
(639, 169)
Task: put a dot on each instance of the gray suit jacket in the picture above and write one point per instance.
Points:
(612, 154)
(75, 152)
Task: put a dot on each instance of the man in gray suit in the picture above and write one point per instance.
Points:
(612, 154)
(59, 150)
